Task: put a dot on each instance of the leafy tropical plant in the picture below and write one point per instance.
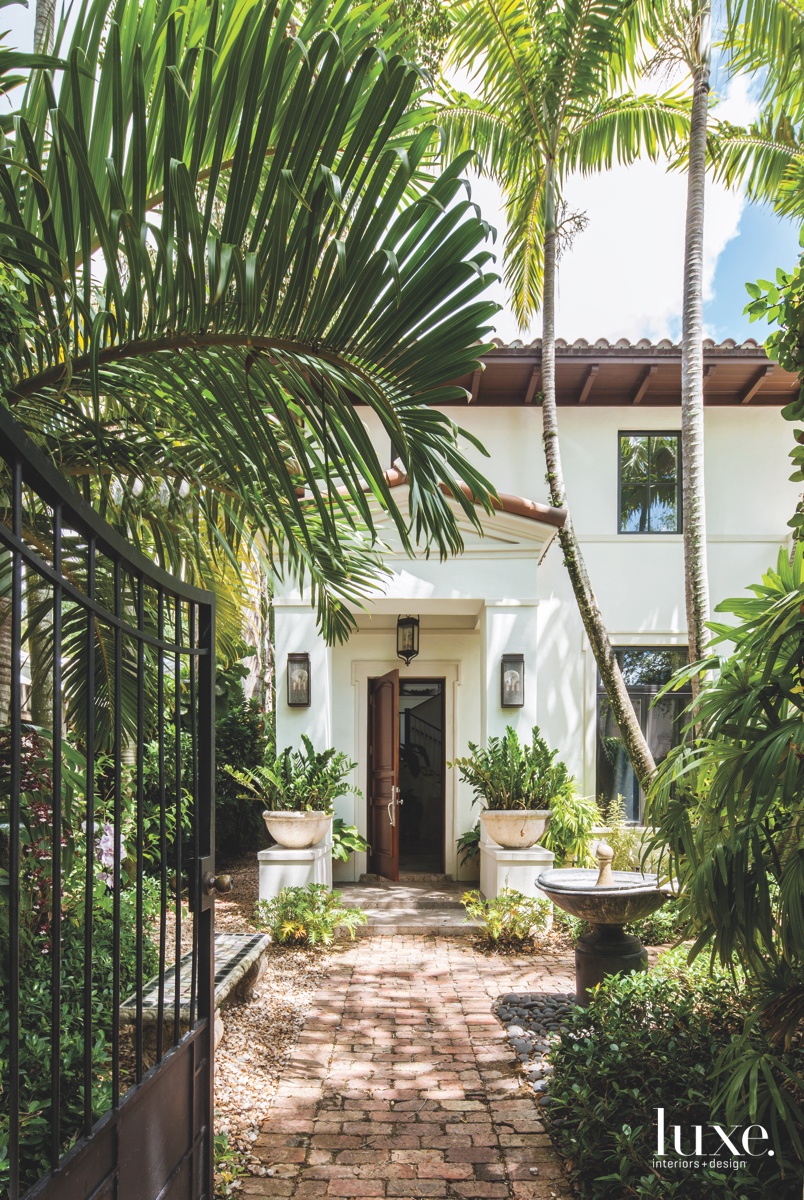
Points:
(346, 841)
(509, 774)
(510, 921)
(308, 916)
(232, 238)
(624, 839)
(728, 815)
(551, 97)
(569, 831)
(469, 845)
(304, 780)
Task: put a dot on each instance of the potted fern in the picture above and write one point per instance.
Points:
(298, 790)
(515, 782)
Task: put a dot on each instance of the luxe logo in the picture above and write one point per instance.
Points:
(748, 1142)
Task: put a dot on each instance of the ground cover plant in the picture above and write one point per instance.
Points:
(509, 921)
(647, 1041)
(307, 916)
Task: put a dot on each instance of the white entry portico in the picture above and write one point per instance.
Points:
(472, 610)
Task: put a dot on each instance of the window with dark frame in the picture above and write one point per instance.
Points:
(649, 498)
(646, 669)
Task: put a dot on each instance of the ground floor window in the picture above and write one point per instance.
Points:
(421, 774)
(646, 669)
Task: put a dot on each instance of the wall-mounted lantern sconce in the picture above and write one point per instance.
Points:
(407, 638)
(512, 680)
(299, 680)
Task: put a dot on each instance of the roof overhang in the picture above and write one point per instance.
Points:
(639, 374)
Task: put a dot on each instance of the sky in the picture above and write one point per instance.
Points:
(623, 275)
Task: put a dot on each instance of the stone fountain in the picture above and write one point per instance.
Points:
(608, 900)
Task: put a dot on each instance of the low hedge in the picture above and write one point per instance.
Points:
(649, 1041)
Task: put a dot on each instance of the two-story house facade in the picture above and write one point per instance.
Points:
(500, 640)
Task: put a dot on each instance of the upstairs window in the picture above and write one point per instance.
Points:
(650, 483)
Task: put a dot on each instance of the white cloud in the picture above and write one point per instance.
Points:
(623, 275)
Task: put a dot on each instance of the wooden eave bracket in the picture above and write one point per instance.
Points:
(644, 383)
(533, 384)
(756, 383)
(588, 383)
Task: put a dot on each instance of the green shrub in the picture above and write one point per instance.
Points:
(569, 830)
(647, 1041)
(511, 921)
(306, 780)
(668, 924)
(241, 741)
(508, 774)
(469, 845)
(346, 841)
(624, 839)
(307, 916)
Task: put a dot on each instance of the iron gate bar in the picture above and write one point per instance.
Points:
(139, 950)
(89, 850)
(160, 725)
(55, 1012)
(178, 889)
(117, 749)
(15, 722)
(31, 470)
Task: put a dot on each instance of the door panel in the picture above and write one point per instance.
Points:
(383, 775)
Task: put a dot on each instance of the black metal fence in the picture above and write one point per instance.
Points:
(106, 763)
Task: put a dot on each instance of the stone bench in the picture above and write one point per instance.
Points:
(239, 965)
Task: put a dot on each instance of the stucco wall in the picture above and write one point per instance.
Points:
(638, 580)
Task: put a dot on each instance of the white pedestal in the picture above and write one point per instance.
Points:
(516, 869)
(281, 868)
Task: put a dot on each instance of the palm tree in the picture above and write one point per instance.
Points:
(550, 103)
(682, 32)
(233, 240)
(251, 320)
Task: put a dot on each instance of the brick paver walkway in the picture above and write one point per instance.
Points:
(403, 1082)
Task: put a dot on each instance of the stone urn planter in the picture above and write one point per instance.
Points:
(297, 830)
(515, 829)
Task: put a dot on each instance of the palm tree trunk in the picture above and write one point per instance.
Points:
(622, 709)
(696, 581)
(44, 26)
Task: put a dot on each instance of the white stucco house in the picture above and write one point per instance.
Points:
(508, 594)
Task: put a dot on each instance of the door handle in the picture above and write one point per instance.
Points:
(399, 799)
(391, 808)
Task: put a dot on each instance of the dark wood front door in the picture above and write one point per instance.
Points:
(383, 775)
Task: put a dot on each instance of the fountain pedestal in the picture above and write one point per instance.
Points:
(608, 900)
(605, 950)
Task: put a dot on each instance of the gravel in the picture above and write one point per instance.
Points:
(533, 1021)
(260, 1035)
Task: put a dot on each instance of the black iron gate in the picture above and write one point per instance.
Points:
(106, 838)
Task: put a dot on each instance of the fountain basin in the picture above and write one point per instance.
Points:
(629, 897)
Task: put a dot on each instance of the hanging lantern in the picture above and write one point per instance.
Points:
(407, 638)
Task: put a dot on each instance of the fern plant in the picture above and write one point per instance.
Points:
(509, 774)
(302, 780)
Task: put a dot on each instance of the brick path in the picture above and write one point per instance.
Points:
(403, 1084)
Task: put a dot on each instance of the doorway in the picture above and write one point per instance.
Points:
(421, 776)
(406, 775)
